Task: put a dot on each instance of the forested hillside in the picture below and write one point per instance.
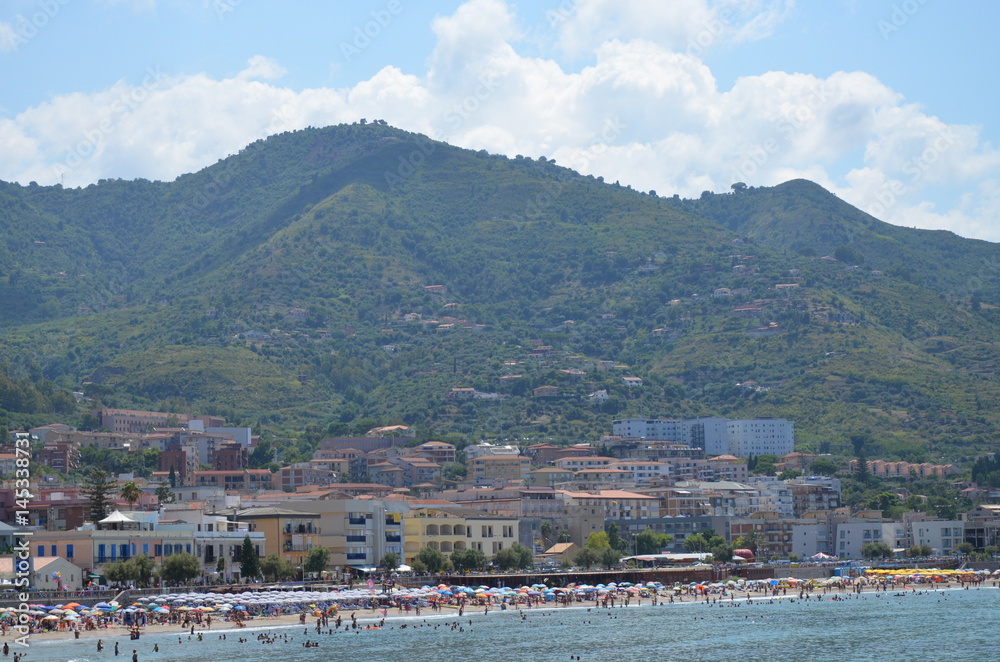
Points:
(326, 280)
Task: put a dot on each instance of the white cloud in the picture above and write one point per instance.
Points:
(262, 68)
(645, 111)
(690, 26)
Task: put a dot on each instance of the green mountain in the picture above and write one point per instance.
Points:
(328, 280)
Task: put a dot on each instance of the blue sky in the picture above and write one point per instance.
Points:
(886, 103)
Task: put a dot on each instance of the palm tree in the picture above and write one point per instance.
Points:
(131, 493)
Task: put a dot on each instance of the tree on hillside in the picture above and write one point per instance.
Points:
(97, 487)
(131, 493)
(824, 467)
(249, 561)
(316, 560)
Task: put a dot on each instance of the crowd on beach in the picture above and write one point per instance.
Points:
(194, 614)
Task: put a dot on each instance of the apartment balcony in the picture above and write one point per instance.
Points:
(356, 521)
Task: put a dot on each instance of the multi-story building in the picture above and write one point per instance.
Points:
(289, 533)
(982, 525)
(905, 470)
(451, 529)
(582, 462)
(230, 456)
(868, 527)
(667, 429)
(417, 470)
(642, 471)
(677, 527)
(479, 450)
(358, 532)
(131, 421)
(436, 451)
(498, 469)
(814, 493)
(247, 479)
(942, 536)
(120, 536)
(717, 436)
(60, 454)
(300, 474)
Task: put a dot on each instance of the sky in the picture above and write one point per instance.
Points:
(888, 104)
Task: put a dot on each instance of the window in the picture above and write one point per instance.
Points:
(41, 551)
(69, 551)
(145, 548)
(54, 552)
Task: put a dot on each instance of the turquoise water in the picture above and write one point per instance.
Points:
(955, 625)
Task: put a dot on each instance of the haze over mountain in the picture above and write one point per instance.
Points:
(329, 279)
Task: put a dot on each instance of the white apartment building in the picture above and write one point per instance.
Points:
(672, 429)
(642, 471)
(940, 535)
(479, 450)
(854, 533)
(717, 436)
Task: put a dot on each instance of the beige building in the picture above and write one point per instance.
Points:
(498, 470)
(452, 528)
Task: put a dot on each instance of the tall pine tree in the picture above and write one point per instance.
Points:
(98, 487)
(249, 561)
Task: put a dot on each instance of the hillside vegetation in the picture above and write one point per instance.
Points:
(326, 280)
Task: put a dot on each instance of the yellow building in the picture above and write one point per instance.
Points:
(450, 529)
(288, 533)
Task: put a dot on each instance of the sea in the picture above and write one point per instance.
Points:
(948, 624)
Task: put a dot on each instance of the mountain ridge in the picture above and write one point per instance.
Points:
(299, 267)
